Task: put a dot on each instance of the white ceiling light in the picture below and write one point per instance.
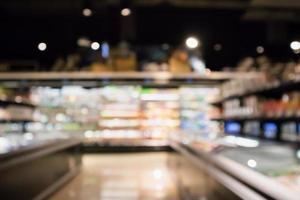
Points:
(95, 46)
(125, 12)
(87, 12)
(260, 49)
(42, 46)
(295, 45)
(192, 42)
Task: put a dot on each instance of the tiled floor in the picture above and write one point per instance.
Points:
(132, 176)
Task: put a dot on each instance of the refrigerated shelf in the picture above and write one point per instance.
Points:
(266, 170)
(33, 167)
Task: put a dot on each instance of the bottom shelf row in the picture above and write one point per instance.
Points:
(285, 131)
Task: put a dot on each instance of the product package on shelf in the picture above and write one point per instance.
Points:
(248, 107)
(11, 128)
(290, 131)
(252, 128)
(120, 112)
(256, 106)
(275, 75)
(196, 112)
(15, 96)
(15, 105)
(160, 112)
(69, 109)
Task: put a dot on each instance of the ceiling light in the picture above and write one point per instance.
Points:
(260, 49)
(295, 45)
(125, 12)
(95, 46)
(42, 46)
(192, 42)
(87, 12)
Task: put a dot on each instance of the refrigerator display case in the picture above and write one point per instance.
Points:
(271, 170)
(32, 166)
(127, 105)
(278, 161)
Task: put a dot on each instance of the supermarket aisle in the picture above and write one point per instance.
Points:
(126, 176)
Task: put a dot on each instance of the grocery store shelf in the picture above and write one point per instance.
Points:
(272, 91)
(12, 102)
(279, 119)
(16, 120)
(67, 75)
(216, 101)
(118, 127)
(124, 75)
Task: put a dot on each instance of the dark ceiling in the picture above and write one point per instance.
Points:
(239, 25)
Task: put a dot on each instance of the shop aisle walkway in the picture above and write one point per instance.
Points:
(125, 176)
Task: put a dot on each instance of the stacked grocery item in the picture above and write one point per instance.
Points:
(67, 109)
(276, 74)
(255, 106)
(120, 112)
(196, 110)
(160, 112)
(15, 105)
(123, 114)
(266, 106)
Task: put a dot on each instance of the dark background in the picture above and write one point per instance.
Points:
(238, 25)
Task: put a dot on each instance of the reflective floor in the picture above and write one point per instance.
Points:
(126, 176)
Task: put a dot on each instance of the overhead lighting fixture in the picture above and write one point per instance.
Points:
(192, 42)
(87, 12)
(42, 46)
(95, 46)
(125, 12)
(295, 45)
(260, 49)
